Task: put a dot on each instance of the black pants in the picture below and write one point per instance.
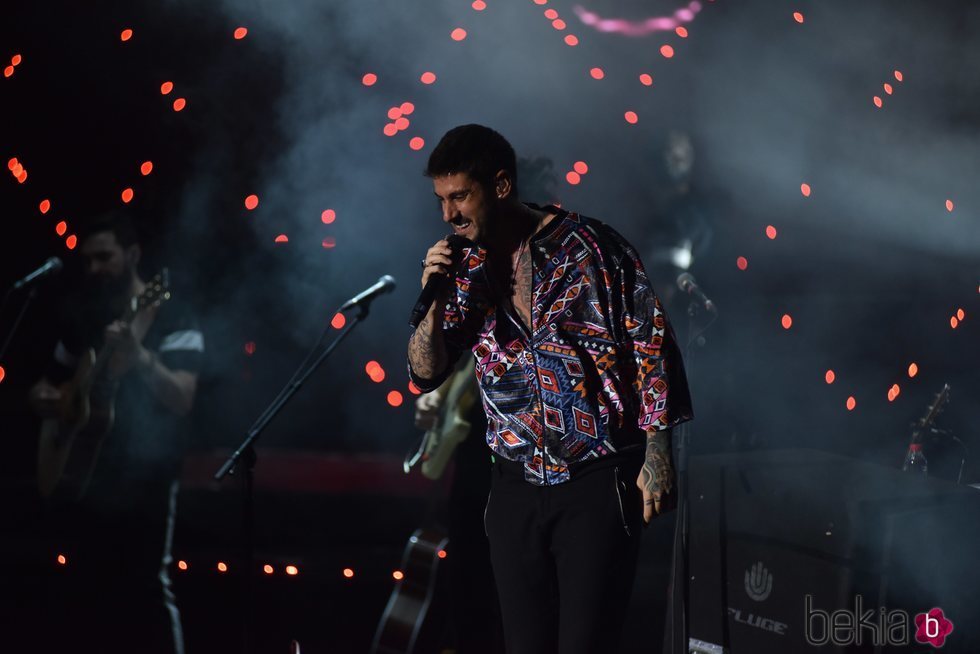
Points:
(564, 556)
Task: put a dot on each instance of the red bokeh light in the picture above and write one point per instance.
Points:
(742, 263)
(558, 24)
(348, 572)
(240, 33)
(413, 389)
(179, 104)
(328, 216)
(573, 177)
(282, 238)
(877, 101)
(62, 560)
(71, 242)
(394, 113)
(407, 108)
(166, 87)
(61, 228)
(667, 51)
(479, 5)
(786, 321)
(798, 17)
(45, 206)
(949, 205)
(805, 190)
(11, 164)
(146, 168)
(338, 321)
(329, 242)
(954, 322)
(960, 314)
(8, 71)
(887, 87)
(458, 34)
(222, 566)
(369, 79)
(250, 348)
(646, 79)
(829, 377)
(631, 117)
(550, 14)
(126, 34)
(771, 232)
(268, 569)
(127, 195)
(581, 167)
(571, 39)
(390, 129)
(3, 373)
(397, 574)
(899, 76)
(395, 398)
(851, 403)
(913, 369)
(681, 31)
(16, 59)
(402, 123)
(251, 202)
(442, 554)
(427, 78)
(182, 565)
(597, 73)
(417, 143)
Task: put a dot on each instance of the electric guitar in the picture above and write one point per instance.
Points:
(70, 443)
(452, 425)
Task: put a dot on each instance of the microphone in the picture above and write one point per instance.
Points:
(50, 267)
(385, 284)
(428, 294)
(687, 283)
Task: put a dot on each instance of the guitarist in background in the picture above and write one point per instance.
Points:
(113, 592)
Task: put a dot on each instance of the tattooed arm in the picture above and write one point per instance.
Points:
(656, 479)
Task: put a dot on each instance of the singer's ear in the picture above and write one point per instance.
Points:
(503, 184)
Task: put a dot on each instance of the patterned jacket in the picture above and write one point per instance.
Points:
(599, 367)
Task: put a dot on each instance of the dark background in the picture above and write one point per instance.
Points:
(871, 266)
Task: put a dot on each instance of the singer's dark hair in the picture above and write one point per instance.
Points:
(116, 222)
(478, 151)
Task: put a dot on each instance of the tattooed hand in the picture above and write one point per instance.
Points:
(656, 480)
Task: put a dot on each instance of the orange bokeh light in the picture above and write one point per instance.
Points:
(8, 71)
(667, 51)
(458, 34)
(349, 573)
(417, 143)
(571, 40)
(71, 242)
(182, 565)
(771, 232)
(292, 570)
(45, 206)
(12, 164)
(805, 190)
(397, 574)
(681, 31)
(369, 79)
(127, 195)
(16, 59)
(442, 554)
(894, 392)
(954, 322)
(413, 389)
(646, 79)
(61, 228)
(62, 560)
(251, 202)
(631, 117)
(166, 88)
(949, 205)
(3, 373)
(240, 33)
(573, 177)
(960, 314)
(146, 168)
(887, 87)
(427, 78)
(328, 242)
(222, 567)
(395, 398)
(338, 321)
(22, 177)
(581, 167)
(282, 238)
(179, 104)
(798, 17)
(913, 369)
(851, 403)
(742, 263)
(877, 101)
(829, 377)
(126, 34)
(787, 321)
(268, 569)
(899, 76)
(597, 73)
(328, 216)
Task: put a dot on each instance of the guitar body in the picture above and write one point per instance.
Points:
(69, 445)
(408, 617)
(453, 425)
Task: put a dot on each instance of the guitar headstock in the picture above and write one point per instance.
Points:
(937, 406)
(157, 292)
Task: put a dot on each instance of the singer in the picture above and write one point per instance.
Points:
(581, 380)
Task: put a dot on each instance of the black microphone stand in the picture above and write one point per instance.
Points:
(245, 458)
(680, 564)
